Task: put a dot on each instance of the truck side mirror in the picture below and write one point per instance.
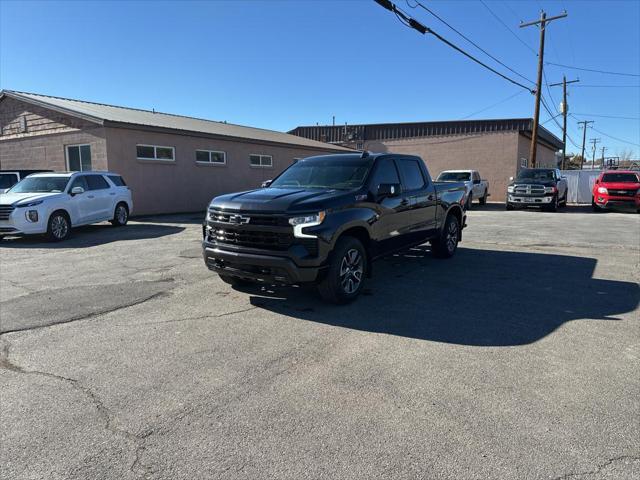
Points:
(388, 190)
(266, 183)
(597, 181)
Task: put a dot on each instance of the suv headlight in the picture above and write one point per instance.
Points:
(510, 189)
(602, 190)
(304, 221)
(30, 204)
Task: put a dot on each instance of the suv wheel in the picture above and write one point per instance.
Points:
(447, 244)
(120, 215)
(347, 268)
(58, 227)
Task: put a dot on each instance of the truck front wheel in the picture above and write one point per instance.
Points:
(347, 269)
(446, 244)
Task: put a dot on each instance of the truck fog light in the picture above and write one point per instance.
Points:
(32, 215)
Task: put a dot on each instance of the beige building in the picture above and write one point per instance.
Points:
(496, 148)
(172, 163)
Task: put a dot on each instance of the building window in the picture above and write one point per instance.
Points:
(523, 162)
(78, 158)
(261, 160)
(211, 156)
(153, 152)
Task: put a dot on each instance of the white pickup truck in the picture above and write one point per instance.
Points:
(53, 203)
(476, 187)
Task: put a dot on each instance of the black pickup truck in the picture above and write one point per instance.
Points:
(326, 218)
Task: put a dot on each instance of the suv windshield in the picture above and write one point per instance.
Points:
(339, 174)
(620, 178)
(40, 185)
(454, 177)
(532, 174)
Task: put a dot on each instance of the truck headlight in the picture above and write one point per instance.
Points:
(304, 221)
(550, 189)
(510, 189)
(31, 215)
(603, 190)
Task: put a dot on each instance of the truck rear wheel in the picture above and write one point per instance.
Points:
(446, 244)
(483, 199)
(345, 276)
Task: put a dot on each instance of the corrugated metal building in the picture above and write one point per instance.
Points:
(172, 163)
(497, 148)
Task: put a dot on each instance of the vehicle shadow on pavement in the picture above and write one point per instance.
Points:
(93, 235)
(479, 297)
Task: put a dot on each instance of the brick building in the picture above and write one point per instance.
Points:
(172, 163)
(496, 148)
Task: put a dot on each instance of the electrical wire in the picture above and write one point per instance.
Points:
(606, 86)
(494, 105)
(410, 22)
(507, 27)
(608, 116)
(592, 70)
(418, 4)
(607, 135)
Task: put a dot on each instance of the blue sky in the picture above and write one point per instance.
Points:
(279, 64)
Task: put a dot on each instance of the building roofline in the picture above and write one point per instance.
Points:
(18, 96)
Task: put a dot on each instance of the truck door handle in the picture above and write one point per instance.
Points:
(404, 202)
(91, 196)
(430, 197)
(112, 193)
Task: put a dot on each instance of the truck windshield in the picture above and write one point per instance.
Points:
(620, 178)
(532, 174)
(325, 174)
(40, 185)
(454, 177)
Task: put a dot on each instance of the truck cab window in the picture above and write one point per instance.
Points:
(385, 173)
(412, 178)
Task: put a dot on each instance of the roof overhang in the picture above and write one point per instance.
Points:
(48, 106)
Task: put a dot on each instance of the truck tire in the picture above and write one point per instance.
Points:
(345, 276)
(508, 206)
(58, 226)
(469, 201)
(483, 199)
(446, 244)
(553, 206)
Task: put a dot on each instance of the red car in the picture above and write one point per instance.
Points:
(616, 188)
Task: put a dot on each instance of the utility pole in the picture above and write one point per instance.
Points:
(585, 123)
(565, 110)
(603, 149)
(536, 113)
(594, 142)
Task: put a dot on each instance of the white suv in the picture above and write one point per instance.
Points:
(51, 203)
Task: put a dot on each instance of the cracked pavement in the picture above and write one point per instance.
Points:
(123, 357)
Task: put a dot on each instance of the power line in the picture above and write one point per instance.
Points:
(507, 27)
(416, 25)
(606, 86)
(609, 136)
(494, 105)
(418, 4)
(609, 116)
(592, 70)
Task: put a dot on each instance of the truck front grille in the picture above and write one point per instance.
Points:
(5, 211)
(231, 218)
(529, 189)
(251, 238)
(622, 193)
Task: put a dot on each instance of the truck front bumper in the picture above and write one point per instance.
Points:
(515, 199)
(266, 269)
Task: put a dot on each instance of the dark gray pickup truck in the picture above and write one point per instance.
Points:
(326, 218)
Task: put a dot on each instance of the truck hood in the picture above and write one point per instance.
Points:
(13, 198)
(620, 185)
(282, 200)
(530, 181)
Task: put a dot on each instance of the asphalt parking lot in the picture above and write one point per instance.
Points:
(123, 357)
